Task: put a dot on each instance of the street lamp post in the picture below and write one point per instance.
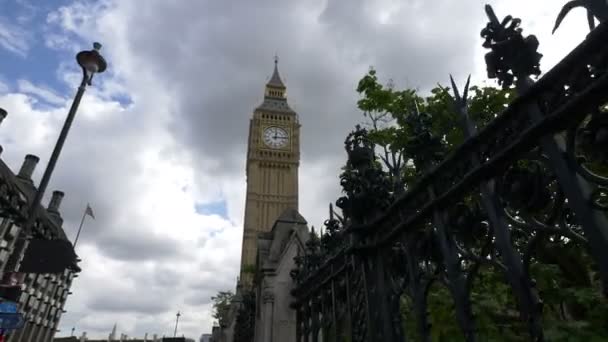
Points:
(176, 321)
(91, 62)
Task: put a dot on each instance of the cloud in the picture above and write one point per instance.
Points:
(3, 86)
(42, 92)
(133, 303)
(143, 244)
(14, 38)
(164, 130)
(57, 41)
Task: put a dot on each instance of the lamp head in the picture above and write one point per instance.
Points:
(91, 61)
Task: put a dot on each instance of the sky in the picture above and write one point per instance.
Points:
(159, 143)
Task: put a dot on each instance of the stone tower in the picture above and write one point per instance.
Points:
(273, 157)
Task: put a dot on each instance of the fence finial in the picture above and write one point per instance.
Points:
(461, 100)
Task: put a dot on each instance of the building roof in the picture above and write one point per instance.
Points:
(29, 191)
(275, 80)
(271, 245)
(291, 215)
(8, 176)
(273, 103)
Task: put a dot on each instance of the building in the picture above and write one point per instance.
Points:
(216, 334)
(114, 336)
(43, 296)
(274, 231)
(205, 338)
(122, 338)
(273, 158)
(275, 320)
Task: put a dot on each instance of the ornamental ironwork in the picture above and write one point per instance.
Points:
(526, 190)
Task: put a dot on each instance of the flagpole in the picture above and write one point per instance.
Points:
(80, 228)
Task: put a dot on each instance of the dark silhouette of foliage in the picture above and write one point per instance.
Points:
(221, 307)
(564, 274)
(245, 318)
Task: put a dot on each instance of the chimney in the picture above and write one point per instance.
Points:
(83, 338)
(53, 208)
(55, 201)
(154, 337)
(28, 166)
(3, 115)
(146, 337)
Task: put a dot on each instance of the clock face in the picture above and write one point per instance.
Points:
(275, 137)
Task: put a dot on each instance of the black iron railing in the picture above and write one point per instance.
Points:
(525, 182)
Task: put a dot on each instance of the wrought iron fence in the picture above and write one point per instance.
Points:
(522, 191)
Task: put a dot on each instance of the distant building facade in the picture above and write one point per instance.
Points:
(114, 336)
(216, 334)
(43, 296)
(122, 338)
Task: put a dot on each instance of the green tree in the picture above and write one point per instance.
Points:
(564, 274)
(387, 112)
(221, 307)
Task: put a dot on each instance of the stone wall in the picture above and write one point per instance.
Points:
(275, 320)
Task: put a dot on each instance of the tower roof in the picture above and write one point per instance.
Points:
(274, 96)
(275, 80)
(291, 215)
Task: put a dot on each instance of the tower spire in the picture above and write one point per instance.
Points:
(112, 336)
(275, 80)
(275, 93)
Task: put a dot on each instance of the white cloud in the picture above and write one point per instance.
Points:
(57, 41)
(3, 86)
(42, 92)
(148, 247)
(13, 38)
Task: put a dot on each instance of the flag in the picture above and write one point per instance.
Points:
(89, 211)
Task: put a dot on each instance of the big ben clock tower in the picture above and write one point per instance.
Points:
(273, 157)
